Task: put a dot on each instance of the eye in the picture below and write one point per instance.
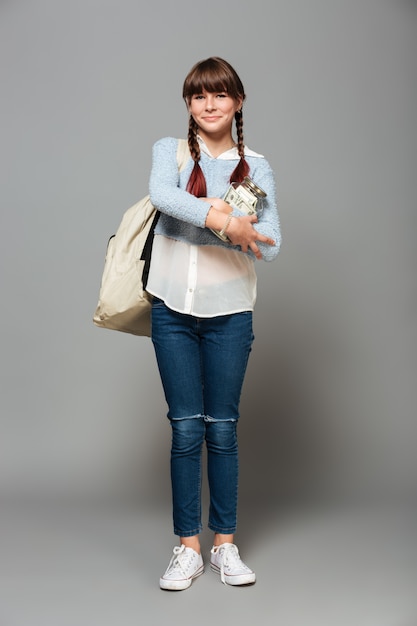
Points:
(198, 96)
(223, 94)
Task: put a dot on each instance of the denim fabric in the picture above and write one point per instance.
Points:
(202, 363)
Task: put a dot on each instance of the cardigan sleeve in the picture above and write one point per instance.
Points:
(164, 191)
(268, 222)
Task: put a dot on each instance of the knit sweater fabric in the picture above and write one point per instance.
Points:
(183, 215)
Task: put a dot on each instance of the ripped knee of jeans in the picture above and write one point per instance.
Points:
(209, 420)
(187, 433)
(184, 418)
(221, 435)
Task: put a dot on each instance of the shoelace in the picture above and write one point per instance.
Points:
(179, 561)
(229, 555)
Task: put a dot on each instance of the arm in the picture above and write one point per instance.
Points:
(239, 229)
(268, 223)
(163, 186)
(204, 212)
(263, 236)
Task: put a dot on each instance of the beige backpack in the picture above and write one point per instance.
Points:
(124, 304)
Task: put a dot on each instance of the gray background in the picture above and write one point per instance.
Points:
(328, 409)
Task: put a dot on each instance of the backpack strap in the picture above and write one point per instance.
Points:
(183, 154)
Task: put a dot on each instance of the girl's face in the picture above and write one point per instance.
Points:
(214, 112)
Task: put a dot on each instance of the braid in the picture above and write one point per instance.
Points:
(242, 168)
(197, 183)
(239, 132)
(192, 140)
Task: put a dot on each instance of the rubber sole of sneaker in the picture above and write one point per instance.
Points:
(179, 585)
(242, 579)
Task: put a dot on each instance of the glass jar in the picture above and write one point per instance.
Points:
(246, 197)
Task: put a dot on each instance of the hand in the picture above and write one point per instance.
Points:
(242, 233)
(240, 230)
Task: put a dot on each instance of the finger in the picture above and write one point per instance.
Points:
(256, 251)
(264, 239)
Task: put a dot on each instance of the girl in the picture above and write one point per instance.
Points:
(204, 292)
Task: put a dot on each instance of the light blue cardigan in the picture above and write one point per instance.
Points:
(183, 215)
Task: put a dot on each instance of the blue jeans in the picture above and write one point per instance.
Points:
(202, 363)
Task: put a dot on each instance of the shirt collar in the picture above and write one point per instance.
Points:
(228, 155)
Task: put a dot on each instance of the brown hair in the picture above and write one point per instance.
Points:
(213, 75)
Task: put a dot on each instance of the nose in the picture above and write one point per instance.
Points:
(210, 102)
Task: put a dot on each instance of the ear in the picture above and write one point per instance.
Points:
(239, 104)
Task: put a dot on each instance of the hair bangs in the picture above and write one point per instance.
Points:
(213, 75)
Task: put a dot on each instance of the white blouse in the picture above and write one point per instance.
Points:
(204, 281)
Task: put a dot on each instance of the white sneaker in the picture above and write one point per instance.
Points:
(185, 565)
(225, 560)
